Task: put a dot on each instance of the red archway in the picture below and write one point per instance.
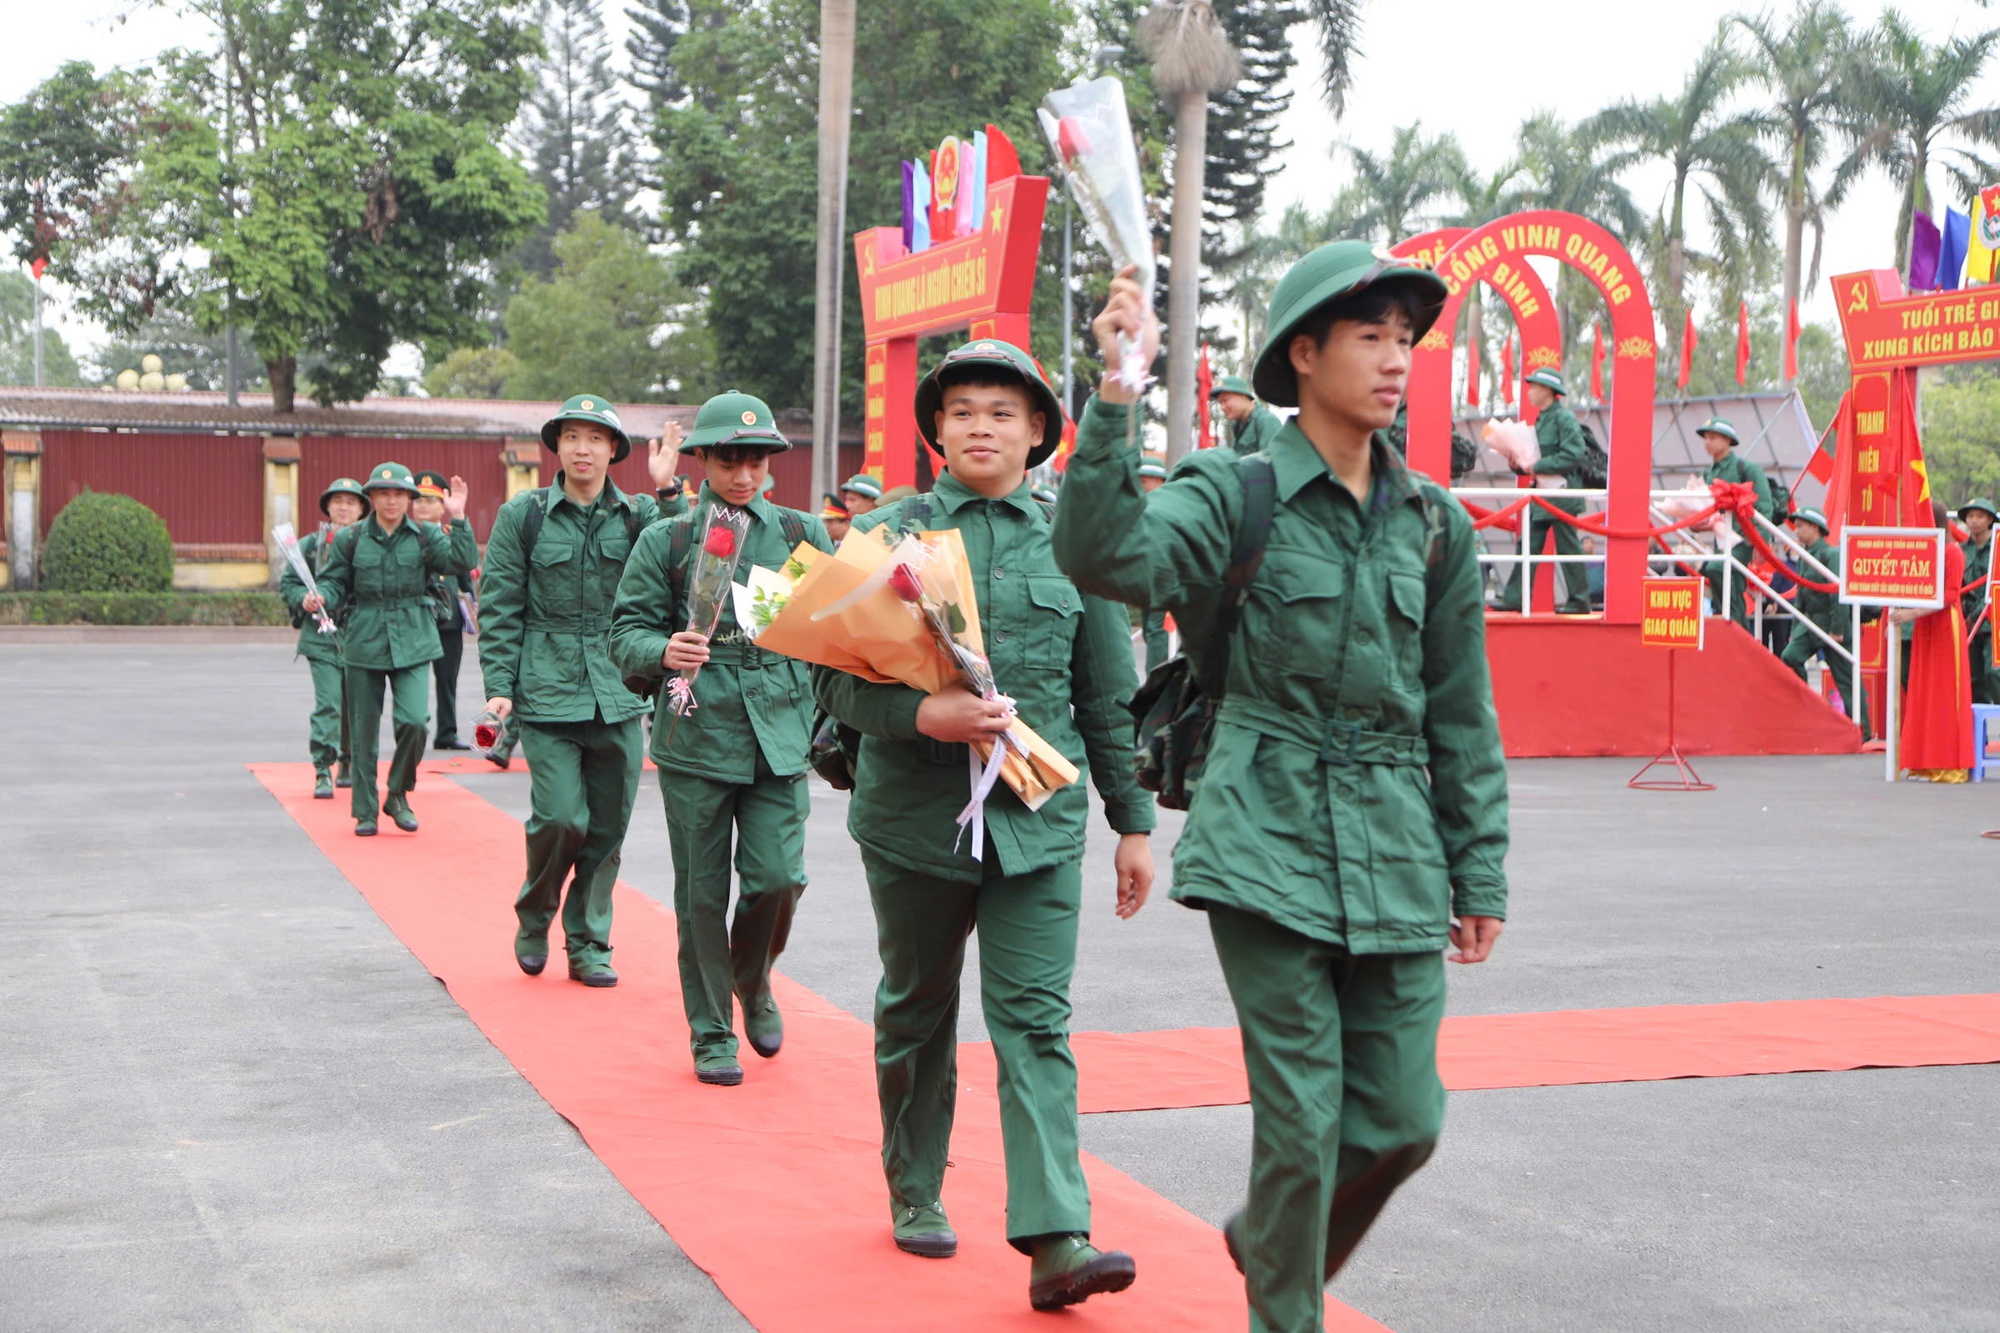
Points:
(1496, 254)
(1527, 300)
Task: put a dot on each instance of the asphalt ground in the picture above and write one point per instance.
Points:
(230, 1097)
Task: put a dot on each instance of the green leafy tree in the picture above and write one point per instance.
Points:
(649, 47)
(1802, 65)
(739, 160)
(472, 372)
(1962, 431)
(573, 130)
(1716, 153)
(1910, 108)
(17, 339)
(329, 180)
(62, 163)
(610, 319)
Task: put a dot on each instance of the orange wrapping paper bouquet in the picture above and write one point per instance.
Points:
(842, 612)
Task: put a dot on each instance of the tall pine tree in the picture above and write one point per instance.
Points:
(656, 26)
(573, 129)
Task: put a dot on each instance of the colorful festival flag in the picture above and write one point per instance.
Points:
(909, 207)
(1688, 341)
(920, 214)
(1984, 239)
(1742, 343)
(1792, 327)
(1951, 255)
(1597, 360)
(978, 212)
(1472, 370)
(1204, 386)
(1924, 246)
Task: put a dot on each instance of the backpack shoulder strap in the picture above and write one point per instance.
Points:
(531, 522)
(635, 523)
(793, 524)
(1246, 554)
(680, 540)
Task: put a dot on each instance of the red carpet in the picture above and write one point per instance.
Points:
(1148, 1071)
(775, 1187)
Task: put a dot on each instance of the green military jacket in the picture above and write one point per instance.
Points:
(1355, 789)
(1560, 436)
(746, 700)
(1066, 661)
(313, 646)
(375, 584)
(1733, 466)
(545, 622)
(1256, 431)
(1978, 565)
(1823, 608)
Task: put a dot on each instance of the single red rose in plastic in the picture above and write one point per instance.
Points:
(720, 543)
(905, 584)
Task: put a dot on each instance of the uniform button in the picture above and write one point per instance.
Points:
(1364, 635)
(750, 693)
(999, 573)
(1000, 637)
(1346, 792)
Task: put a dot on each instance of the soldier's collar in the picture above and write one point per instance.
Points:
(609, 495)
(953, 495)
(1295, 464)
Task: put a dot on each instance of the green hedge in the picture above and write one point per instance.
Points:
(102, 542)
(142, 608)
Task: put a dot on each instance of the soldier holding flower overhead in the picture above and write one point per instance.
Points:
(733, 765)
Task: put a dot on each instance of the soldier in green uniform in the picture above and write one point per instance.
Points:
(446, 590)
(343, 503)
(1725, 464)
(1822, 609)
(551, 576)
(1352, 813)
(860, 494)
(1560, 436)
(1066, 660)
(1153, 623)
(1252, 426)
(1979, 516)
(375, 585)
(734, 768)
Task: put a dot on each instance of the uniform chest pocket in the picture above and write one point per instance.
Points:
(1055, 611)
(550, 589)
(1406, 625)
(1295, 612)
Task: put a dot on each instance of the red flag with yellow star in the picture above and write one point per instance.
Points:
(1879, 476)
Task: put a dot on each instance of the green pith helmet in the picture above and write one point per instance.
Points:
(1002, 356)
(1717, 426)
(1339, 269)
(1812, 516)
(344, 486)
(734, 419)
(862, 485)
(1983, 503)
(1236, 384)
(595, 409)
(1153, 467)
(1548, 379)
(390, 477)
(1044, 494)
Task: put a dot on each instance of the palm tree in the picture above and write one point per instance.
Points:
(1338, 25)
(1804, 65)
(1192, 59)
(836, 106)
(1568, 169)
(1393, 191)
(1908, 99)
(1713, 151)
(1483, 199)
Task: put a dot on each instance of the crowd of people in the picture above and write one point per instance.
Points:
(1307, 544)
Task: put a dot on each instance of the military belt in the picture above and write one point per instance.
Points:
(587, 623)
(422, 599)
(1336, 742)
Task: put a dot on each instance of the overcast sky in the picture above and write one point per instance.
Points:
(1477, 69)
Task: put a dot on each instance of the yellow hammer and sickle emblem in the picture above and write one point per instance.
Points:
(1858, 305)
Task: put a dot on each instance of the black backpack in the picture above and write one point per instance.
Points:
(1595, 472)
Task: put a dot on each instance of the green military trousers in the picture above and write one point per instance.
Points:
(582, 780)
(1803, 646)
(765, 819)
(1737, 610)
(1027, 952)
(1344, 1096)
(1153, 629)
(329, 716)
(1985, 676)
(409, 688)
(1575, 576)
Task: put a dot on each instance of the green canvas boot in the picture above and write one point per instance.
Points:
(1068, 1269)
(398, 809)
(764, 1026)
(341, 778)
(322, 785)
(719, 1070)
(923, 1231)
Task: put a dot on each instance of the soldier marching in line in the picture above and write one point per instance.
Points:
(1560, 436)
(1352, 813)
(343, 503)
(733, 769)
(450, 595)
(1979, 517)
(1720, 439)
(1824, 610)
(1252, 426)
(375, 583)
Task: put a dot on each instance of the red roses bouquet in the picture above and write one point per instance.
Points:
(711, 575)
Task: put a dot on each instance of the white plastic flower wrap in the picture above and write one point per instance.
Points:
(1091, 133)
(288, 542)
(1515, 442)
